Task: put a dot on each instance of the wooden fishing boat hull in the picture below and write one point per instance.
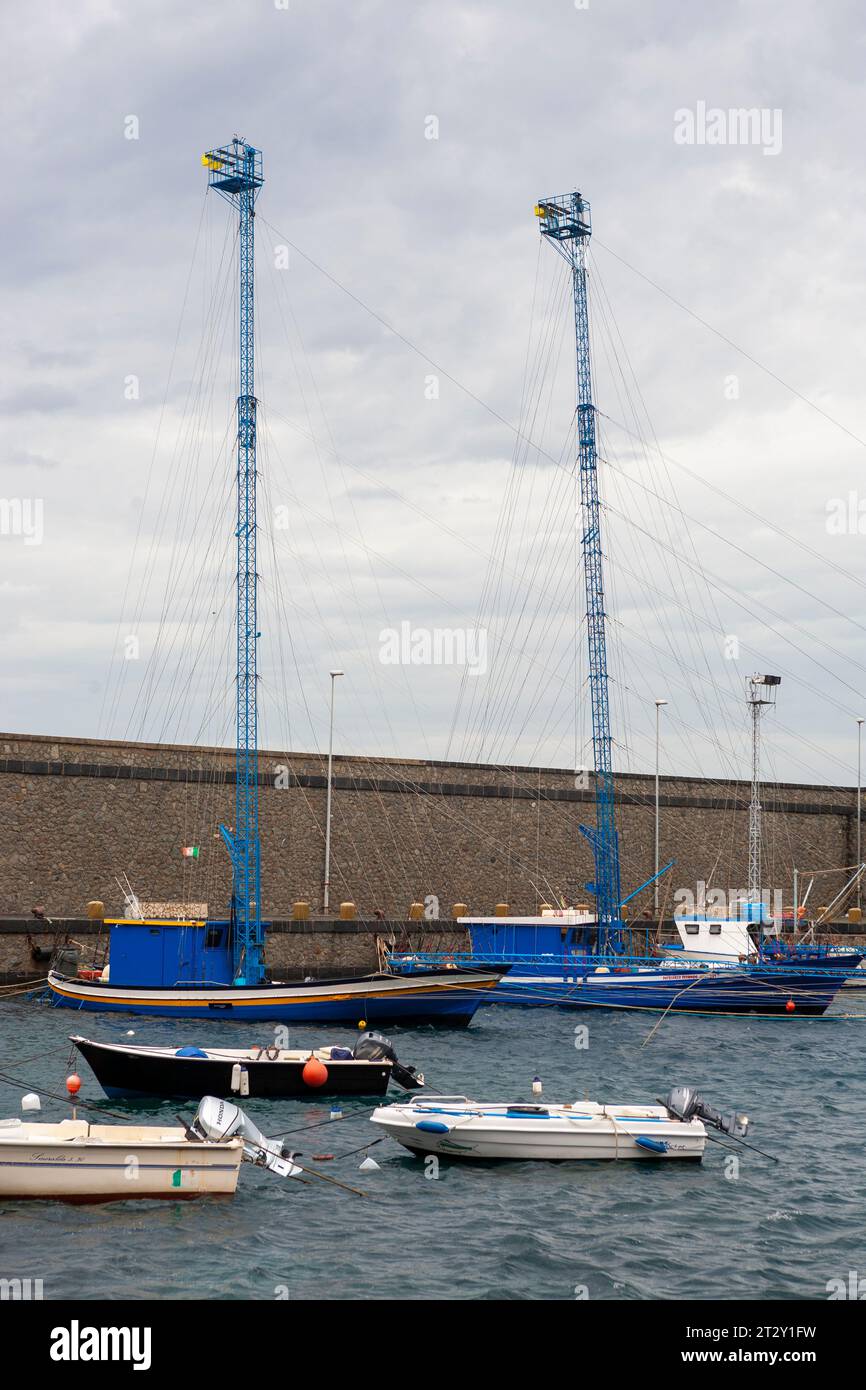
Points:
(587, 1132)
(159, 1071)
(446, 997)
(77, 1162)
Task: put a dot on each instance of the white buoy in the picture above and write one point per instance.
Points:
(130, 1032)
(369, 1166)
(31, 1101)
(336, 1112)
(536, 1086)
(240, 1082)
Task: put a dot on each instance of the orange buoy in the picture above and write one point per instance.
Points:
(315, 1073)
(73, 1084)
(790, 1006)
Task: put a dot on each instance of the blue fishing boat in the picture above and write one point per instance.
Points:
(152, 971)
(563, 959)
(212, 968)
(597, 959)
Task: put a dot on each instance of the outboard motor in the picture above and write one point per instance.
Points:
(374, 1047)
(221, 1119)
(684, 1103)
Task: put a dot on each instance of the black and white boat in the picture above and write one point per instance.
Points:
(187, 1073)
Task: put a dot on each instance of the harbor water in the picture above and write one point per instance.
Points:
(754, 1229)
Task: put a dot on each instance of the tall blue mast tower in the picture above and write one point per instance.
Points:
(235, 171)
(565, 222)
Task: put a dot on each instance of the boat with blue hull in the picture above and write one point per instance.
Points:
(216, 968)
(186, 970)
(448, 999)
(564, 960)
(600, 959)
(640, 983)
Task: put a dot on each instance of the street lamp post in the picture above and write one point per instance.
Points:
(327, 886)
(859, 856)
(659, 704)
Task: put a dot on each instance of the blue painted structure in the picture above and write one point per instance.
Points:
(196, 969)
(235, 171)
(151, 953)
(566, 222)
(454, 1010)
(569, 980)
(550, 938)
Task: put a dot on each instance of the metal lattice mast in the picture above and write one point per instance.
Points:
(761, 695)
(566, 222)
(235, 171)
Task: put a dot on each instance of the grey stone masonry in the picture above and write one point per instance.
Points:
(79, 813)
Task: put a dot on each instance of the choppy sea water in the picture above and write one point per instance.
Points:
(482, 1231)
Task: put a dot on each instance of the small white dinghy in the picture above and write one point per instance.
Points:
(76, 1161)
(457, 1127)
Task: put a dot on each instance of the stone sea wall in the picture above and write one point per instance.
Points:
(79, 814)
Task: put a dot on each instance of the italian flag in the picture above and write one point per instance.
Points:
(190, 851)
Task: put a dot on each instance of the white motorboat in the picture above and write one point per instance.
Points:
(456, 1127)
(76, 1161)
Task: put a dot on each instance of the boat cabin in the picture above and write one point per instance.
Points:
(708, 938)
(552, 932)
(155, 952)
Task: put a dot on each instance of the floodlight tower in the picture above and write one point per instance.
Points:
(761, 695)
(565, 222)
(235, 171)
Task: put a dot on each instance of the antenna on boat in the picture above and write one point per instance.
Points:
(761, 695)
(235, 171)
(565, 221)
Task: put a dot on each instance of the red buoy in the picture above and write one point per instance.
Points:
(315, 1073)
(73, 1084)
(790, 1006)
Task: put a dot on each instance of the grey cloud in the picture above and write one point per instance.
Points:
(438, 238)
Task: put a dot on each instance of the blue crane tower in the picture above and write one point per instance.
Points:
(565, 221)
(235, 171)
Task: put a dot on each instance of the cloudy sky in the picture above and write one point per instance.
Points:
(416, 373)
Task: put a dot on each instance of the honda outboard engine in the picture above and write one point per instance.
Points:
(221, 1119)
(684, 1103)
(374, 1047)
